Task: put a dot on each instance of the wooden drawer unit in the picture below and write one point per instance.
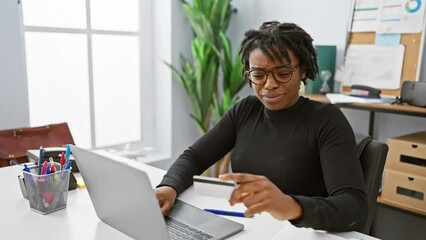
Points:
(408, 153)
(405, 189)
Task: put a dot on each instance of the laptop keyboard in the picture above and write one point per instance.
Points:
(179, 230)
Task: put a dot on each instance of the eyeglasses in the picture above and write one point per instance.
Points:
(281, 74)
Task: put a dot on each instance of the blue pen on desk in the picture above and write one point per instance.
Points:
(40, 160)
(224, 212)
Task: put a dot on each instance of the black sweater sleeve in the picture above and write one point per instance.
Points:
(345, 209)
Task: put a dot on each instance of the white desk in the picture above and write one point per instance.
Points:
(79, 221)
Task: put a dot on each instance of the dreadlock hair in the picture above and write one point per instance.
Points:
(274, 39)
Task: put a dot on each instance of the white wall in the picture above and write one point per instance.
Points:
(14, 111)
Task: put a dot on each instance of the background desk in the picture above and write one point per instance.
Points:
(79, 220)
(374, 107)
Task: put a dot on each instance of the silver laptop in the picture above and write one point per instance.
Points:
(123, 198)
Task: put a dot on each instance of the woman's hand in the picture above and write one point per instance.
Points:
(259, 194)
(166, 197)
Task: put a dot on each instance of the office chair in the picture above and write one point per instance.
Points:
(372, 155)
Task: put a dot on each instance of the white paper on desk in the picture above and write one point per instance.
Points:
(343, 98)
(374, 66)
(290, 232)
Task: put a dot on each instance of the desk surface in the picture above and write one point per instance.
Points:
(378, 107)
(79, 220)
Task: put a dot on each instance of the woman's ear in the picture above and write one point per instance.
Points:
(303, 73)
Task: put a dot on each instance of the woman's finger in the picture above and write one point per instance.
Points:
(247, 189)
(261, 196)
(165, 207)
(255, 209)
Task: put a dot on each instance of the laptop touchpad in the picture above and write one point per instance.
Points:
(189, 214)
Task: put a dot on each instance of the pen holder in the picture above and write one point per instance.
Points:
(47, 193)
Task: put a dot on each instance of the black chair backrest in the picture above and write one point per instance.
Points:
(372, 155)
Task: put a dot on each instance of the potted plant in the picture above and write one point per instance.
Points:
(211, 52)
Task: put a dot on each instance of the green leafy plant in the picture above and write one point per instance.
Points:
(199, 80)
(211, 51)
(232, 80)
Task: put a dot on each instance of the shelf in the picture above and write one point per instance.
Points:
(404, 109)
(372, 108)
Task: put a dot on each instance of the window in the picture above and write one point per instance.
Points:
(83, 61)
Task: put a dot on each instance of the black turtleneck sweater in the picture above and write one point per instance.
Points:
(308, 151)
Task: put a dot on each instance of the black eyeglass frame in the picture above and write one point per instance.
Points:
(266, 71)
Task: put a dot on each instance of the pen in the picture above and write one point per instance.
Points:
(62, 160)
(224, 212)
(26, 169)
(68, 165)
(40, 159)
(47, 169)
(43, 167)
(52, 168)
(52, 165)
(68, 152)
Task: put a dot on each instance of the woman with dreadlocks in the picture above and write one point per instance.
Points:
(292, 157)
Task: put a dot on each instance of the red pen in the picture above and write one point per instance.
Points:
(52, 168)
(43, 167)
(52, 165)
(62, 160)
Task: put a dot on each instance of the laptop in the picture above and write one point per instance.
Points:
(123, 198)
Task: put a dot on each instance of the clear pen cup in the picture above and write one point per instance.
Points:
(49, 192)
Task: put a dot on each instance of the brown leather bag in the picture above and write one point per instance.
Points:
(14, 143)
